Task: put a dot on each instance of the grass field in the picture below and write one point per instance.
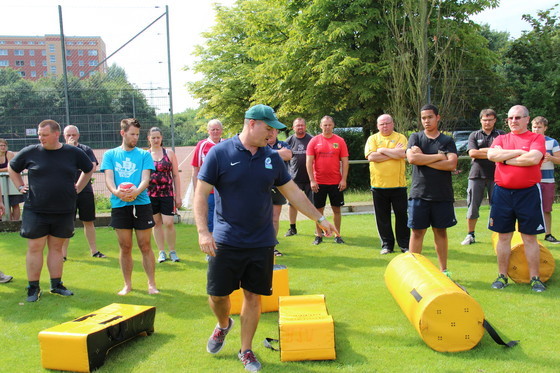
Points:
(372, 333)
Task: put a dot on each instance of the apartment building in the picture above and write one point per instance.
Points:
(35, 57)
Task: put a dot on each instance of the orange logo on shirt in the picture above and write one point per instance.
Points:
(335, 145)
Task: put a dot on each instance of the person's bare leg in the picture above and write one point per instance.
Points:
(125, 243)
(250, 316)
(337, 217)
(548, 222)
(65, 245)
(16, 213)
(503, 250)
(143, 238)
(220, 306)
(293, 214)
(318, 230)
(471, 224)
(416, 240)
(532, 253)
(34, 257)
(441, 244)
(54, 256)
(89, 231)
(169, 233)
(276, 210)
(158, 232)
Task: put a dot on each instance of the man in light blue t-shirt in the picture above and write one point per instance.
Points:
(127, 175)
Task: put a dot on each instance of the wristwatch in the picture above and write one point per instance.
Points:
(505, 162)
(20, 187)
(321, 219)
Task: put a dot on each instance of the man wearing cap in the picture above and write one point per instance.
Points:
(242, 170)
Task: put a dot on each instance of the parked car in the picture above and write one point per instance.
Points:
(461, 140)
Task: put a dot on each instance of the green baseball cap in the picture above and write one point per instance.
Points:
(266, 114)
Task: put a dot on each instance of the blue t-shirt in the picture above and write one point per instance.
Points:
(243, 212)
(128, 166)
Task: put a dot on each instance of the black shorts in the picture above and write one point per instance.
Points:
(37, 225)
(138, 217)
(163, 205)
(235, 267)
(278, 198)
(85, 204)
(306, 188)
(336, 197)
(15, 199)
(437, 214)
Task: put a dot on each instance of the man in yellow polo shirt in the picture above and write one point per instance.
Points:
(385, 151)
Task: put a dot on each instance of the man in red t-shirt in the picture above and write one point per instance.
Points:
(324, 155)
(215, 130)
(518, 156)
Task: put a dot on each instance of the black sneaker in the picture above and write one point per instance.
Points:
(61, 290)
(338, 239)
(385, 251)
(33, 293)
(318, 240)
(216, 340)
(550, 238)
(404, 249)
(291, 232)
(249, 361)
(277, 253)
(537, 285)
(500, 283)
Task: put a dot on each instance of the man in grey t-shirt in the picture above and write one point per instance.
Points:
(481, 176)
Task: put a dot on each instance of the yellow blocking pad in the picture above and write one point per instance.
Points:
(518, 269)
(445, 316)
(81, 345)
(280, 287)
(306, 329)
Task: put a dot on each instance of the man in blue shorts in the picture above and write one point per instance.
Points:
(50, 202)
(517, 195)
(433, 156)
(127, 176)
(242, 170)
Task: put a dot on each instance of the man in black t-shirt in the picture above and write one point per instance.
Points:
(433, 156)
(85, 204)
(50, 202)
(298, 141)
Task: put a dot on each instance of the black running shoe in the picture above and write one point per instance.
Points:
(33, 293)
(61, 290)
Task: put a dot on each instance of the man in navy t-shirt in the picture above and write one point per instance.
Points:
(243, 170)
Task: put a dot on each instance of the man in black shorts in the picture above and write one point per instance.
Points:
(50, 202)
(241, 248)
(85, 204)
(127, 176)
(430, 203)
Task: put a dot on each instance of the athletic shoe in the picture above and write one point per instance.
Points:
(404, 249)
(33, 293)
(63, 258)
(338, 239)
(550, 238)
(99, 254)
(537, 285)
(5, 278)
(162, 257)
(277, 253)
(468, 240)
(500, 283)
(61, 290)
(447, 273)
(173, 256)
(291, 232)
(385, 251)
(249, 361)
(216, 340)
(318, 240)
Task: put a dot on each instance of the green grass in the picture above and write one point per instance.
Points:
(372, 333)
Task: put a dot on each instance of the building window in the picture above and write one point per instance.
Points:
(31, 52)
(17, 42)
(20, 63)
(30, 43)
(80, 43)
(68, 53)
(93, 63)
(32, 63)
(82, 73)
(68, 62)
(44, 73)
(81, 63)
(21, 73)
(19, 52)
(80, 52)
(3, 52)
(4, 63)
(2, 42)
(44, 63)
(53, 69)
(92, 52)
(52, 59)
(43, 52)
(51, 48)
(34, 74)
(41, 43)
(69, 43)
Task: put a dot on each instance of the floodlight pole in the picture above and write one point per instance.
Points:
(63, 48)
(171, 123)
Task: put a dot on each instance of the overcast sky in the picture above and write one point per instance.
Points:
(116, 21)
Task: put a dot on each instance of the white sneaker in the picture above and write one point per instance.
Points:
(162, 257)
(468, 240)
